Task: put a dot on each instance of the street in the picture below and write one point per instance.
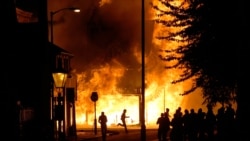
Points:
(118, 134)
(134, 135)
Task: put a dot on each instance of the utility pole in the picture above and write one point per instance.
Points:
(143, 126)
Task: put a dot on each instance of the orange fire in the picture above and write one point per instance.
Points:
(159, 92)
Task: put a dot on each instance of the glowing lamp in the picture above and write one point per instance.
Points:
(76, 10)
(59, 78)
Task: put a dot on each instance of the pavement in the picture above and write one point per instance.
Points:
(85, 135)
(88, 134)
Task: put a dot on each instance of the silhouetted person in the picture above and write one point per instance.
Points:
(193, 126)
(210, 123)
(163, 127)
(229, 123)
(123, 119)
(176, 133)
(19, 118)
(186, 124)
(166, 114)
(103, 121)
(221, 123)
(160, 127)
(201, 125)
(179, 112)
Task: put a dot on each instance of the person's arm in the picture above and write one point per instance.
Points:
(99, 119)
(157, 122)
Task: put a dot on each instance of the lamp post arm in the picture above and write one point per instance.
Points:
(52, 13)
(68, 8)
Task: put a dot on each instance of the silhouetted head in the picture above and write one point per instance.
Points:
(192, 110)
(167, 109)
(199, 110)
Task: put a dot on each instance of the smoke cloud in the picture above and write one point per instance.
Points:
(102, 31)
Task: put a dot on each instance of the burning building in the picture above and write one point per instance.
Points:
(107, 48)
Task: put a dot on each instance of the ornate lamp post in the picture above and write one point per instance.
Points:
(61, 67)
(59, 77)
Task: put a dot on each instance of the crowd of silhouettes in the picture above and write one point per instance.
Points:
(191, 125)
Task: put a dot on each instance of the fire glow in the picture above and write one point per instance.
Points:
(159, 92)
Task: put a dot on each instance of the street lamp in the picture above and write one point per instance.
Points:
(59, 77)
(52, 13)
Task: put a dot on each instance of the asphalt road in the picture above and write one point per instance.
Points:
(118, 134)
(133, 135)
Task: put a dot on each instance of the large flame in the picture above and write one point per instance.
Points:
(159, 92)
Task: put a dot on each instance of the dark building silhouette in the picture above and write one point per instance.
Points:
(27, 63)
